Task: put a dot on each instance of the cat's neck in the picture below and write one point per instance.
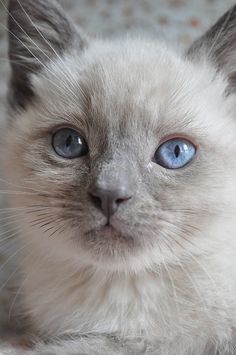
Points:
(64, 300)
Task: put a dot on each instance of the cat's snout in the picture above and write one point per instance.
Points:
(109, 199)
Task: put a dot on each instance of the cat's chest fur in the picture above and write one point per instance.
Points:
(159, 308)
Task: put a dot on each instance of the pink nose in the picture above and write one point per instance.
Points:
(108, 201)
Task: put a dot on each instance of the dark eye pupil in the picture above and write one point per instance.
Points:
(177, 151)
(68, 141)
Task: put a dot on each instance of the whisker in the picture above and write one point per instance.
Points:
(59, 230)
(17, 23)
(7, 223)
(37, 221)
(46, 41)
(8, 279)
(11, 237)
(15, 298)
(173, 288)
(213, 282)
(5, 210)
(13, 255)
(19, 186)
(46, 224)
(40, 62)
(12, 216)
(67, 75)
(219, 33)
(11, 192)
(12, 230)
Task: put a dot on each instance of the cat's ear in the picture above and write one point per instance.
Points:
(39, 31)
(218, 45)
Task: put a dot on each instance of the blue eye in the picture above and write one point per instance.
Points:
(175, 153)
(69, 144)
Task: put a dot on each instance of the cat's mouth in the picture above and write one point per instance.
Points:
(106, 231)
(109, 239)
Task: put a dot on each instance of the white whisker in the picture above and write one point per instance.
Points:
(67, 71)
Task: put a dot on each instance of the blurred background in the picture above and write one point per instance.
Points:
(177, 21)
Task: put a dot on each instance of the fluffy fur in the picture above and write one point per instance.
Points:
(162, 281)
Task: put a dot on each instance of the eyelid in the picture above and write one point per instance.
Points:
(57, 128)
(179, 136)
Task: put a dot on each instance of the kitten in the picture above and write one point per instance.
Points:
(121, 159)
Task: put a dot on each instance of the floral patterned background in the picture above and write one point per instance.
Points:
(177, 21)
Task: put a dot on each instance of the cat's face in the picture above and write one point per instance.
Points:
(128, 148)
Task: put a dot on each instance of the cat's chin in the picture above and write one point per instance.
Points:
(107, 241)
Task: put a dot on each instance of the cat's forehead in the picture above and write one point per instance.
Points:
(138, 66)
(133, 72)
(132, 82)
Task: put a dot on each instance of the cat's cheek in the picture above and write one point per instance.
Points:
(17, 346)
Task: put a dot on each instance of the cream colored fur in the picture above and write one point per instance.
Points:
(168, 286)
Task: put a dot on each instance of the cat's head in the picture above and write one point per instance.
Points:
(125, 150)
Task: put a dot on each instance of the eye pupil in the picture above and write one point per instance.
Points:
(177, 151)
(68, 141)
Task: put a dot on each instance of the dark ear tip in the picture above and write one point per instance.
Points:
(38, 30)
(218, 47)
(221, 33)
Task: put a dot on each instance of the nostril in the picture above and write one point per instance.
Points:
(120, 200)
(96, 200)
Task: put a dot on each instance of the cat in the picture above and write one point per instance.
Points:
(120, 158)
